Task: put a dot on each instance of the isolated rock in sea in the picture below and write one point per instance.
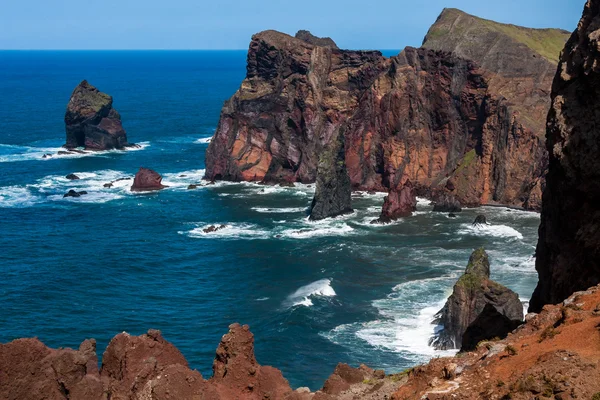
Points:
(480, 220)
(446, 203)
(214, 228)
(489, 324)
(568, 250)
(72, 177)
(146, 180)
(333, 192)
(73, 193)
(399, 203)
(92, 122)
(470, 296)
(315, 40)
(400, 117)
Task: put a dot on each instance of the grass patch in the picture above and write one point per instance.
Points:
(511, 350)
(548, 333)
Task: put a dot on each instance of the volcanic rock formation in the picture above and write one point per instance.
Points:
(146, 180)
(333, 189)
(429, 116)
(479, 306)
(568, 250)
(92, 122)
(315, 40)
(445, 202)
(399, 203)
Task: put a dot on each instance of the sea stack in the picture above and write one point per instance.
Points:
(400, 202)
(568, 249)
(478, 308)
(92, 122)
(147, 180)
(333, 194)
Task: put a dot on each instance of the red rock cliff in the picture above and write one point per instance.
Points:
(428, 116)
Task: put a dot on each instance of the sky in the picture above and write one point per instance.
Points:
(229, 24)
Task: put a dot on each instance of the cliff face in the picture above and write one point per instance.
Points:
(92, 122)
(428, 116)
(568, 249)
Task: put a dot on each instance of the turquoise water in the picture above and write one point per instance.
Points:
(314, 294)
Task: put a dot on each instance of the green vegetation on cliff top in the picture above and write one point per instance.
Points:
(546, 42)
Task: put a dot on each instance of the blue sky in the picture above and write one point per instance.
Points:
(228, 24)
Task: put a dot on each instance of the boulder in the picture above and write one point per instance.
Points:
(92, 122)
(333, 195)
(470, 296)
(190, 187)
(146, 180)
(214, 228)
(73, 193)
(399, 203)
(446, 203)
(72, 177)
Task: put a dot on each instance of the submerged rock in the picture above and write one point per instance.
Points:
(190, 187)
(480, 220)
(73, 193)
(92, 122)
(333, 195)
(72, 177)
(214, 228)
(147, 179)
(465, 307)
(445, 202)
(399, 203)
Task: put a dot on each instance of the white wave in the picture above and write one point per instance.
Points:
(307, 233)
(423, 202)
(231, 231)
(13, 153)
(181, 180)
(284, 210)
(405, 325)
(302, 296)
(501, 231)
(512, 263)
(17, 197)
(262, 299)
(205, 140)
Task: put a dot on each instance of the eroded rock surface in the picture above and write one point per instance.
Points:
(568, 250)
(478, 305)
(315, 40)
(147, 180)
(92, 122)
(400, 202)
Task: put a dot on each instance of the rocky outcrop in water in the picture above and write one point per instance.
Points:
(568, 250)
(147, 180)
(468, 308)
(92, 122)
(333, 189)
(446, 203)
(315, 40)
(399, 203)
(428, 116)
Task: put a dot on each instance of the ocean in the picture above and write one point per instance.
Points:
(313, 293)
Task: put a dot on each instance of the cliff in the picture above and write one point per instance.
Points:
(431, 117)
(92, 122)
(568, 249)
(315, 40)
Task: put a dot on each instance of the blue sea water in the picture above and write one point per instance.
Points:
(314, 294)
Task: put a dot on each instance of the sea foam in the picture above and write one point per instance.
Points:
(303, 296)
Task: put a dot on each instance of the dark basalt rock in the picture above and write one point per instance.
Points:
(490, 323)
(452, 215)
(72, 177)
(568, 249)
(190, 187)
(73, 193)
(214, 228)
(333, 195)
(480, 220)
(92, 122)
(399, 203)
(446, 203)
(315, 40)
(146, 180)
(470, 296)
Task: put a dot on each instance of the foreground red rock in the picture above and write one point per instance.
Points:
(428, 116)
(400, 202)
(568, 249)
(146, 180)
(92, 122)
